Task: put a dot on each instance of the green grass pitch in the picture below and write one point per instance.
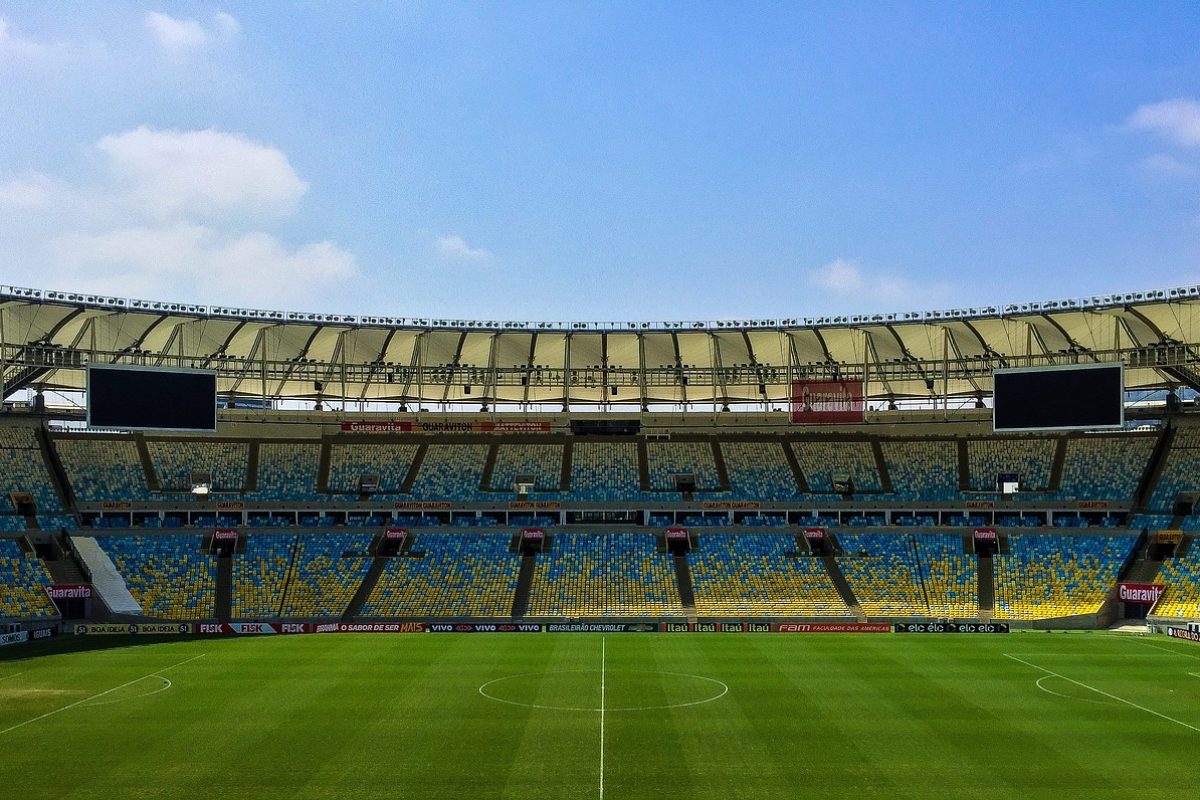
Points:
(618, 716)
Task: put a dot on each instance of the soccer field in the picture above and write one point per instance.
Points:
(590, 716)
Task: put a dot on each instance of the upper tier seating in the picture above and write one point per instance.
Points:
(923, 470)
(288, 472)
(391, 462)
(103, 469)
(450, 471)
(1104, 467)
(605, 471)
(22, 468)
(823, 462)
(748, 574)
(667, 459)
(1181, 472)
(541, 461)
(175, 461)
(759, 470)
(1030, 458)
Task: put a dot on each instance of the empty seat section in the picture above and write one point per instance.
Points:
(1104, 467)
(824, 462)
(667, 459)
(391, 462)
(543, 462)
(923, 470)
(949, 576)
(288, 472)
(450, 472)
(103, 469)
(1031, 459)
(759, 470)
(605, 471)
(613, 574)
(459, 575)
(176, 461)
(747, 574)
(1050, 575)
(327, 571)
(882, 571)
(1180, 472)
(23, 582)
(170, 576)
(260, 573)
(22, 468)
(1181, 576)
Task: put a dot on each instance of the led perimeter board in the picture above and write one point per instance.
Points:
(149, 398)
(1074, 397)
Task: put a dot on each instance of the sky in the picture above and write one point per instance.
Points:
(603, 161)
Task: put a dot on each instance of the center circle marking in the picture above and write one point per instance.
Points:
(720, 689)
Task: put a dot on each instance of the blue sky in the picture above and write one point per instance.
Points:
(599, 161)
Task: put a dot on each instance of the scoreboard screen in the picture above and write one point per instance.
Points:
(1059, 398)
(150, 398)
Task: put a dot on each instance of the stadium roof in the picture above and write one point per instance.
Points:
(47, 339)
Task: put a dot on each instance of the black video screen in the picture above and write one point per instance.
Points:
(1059, 398)
(151, 399)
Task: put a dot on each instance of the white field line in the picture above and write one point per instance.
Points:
(1194, 674)
(1172, 652)
(1104, 693)
(15, 674)
(165, 686)
(603, 658)
(99, 694)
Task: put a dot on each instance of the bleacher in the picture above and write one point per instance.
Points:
(759, 471)
(1180, 472)
(922, 470)
(22, 468)
(450, 471)
(1104, 467)
(604, 574)
(327, 571)
(1057, 575)
(747, 574)
(460, 575)
(1181, 576)
(543, 462)
(667, 459)
(605, 471)
(287, 471)
(175, 461)
(260, 573)
(391, 462)
(169, 575)
(103, 469)
(823, 462)
(882, 571)
(23, 582)
(1029, 457)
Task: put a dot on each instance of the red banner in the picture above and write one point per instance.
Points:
(533, 534)
(253, 628)
(395, 533)
(677, 533)
(985, 535)
(224, 535)
(408, 426)
(827, 402)
(814, 534)
(70, 591)
(833, 627)
(1145, 594)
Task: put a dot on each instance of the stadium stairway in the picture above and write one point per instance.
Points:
(683, 578)
(520, 604)
(489, 469)
(564, 478)
(1158, 460)
(881, 467)
(843, 588)
(223, 603)
(368, 585)
(58, 475)
(986, 588)
(147, 464)
(414, 469)
(789, 455)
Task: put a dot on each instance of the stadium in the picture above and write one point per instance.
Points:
(848, 555)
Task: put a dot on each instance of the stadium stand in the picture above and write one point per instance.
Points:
(287, 471)
(260, 574)
(1104, 467)
(451, 471)
(458, 575)
(24, 580)
(22, 468)
(391, 462)
(175, 462)
(327, 571)
(749, 574)
(605, 471)
(169, 575)
(541, 461)
(922, 470)
(1181, 576)
(759, 471)
(667, 459)
(1180, 472)
(1030, 458)
(823, 462)
(922, 575)
(1057, 575)
(103, 469)
(604, 574)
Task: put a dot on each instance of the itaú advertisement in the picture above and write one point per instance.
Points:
(827, 402)
(1145, 594)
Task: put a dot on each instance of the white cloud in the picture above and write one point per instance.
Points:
(847, 279)
(1166, 165)
(456, 247)
(1177, 120)
(170, 219)
(20, 47)
(177, 36)
(227, 23)
(168, 173)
